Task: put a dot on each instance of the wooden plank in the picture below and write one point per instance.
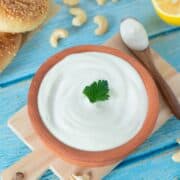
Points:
(117, 173)
(20, 86)
(168, 46)
(38, 159)
(37, 50)
(26, 132)
(20, 125)
(11, 147)
(155, 167)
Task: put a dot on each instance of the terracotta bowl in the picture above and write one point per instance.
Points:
(88, 158)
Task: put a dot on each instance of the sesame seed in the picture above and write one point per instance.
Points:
(24, 9)
(7, 43)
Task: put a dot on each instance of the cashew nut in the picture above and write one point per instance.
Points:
(83, 177)
(101, 2)
(80, 16)
(102, 23)
(71, 2)
(178, 140)
(176, 157)
(56, 35)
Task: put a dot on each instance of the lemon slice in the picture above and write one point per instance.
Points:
(168, 10)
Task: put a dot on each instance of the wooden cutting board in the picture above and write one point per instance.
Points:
(40, 159)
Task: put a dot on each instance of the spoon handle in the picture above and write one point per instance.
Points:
(165, 89)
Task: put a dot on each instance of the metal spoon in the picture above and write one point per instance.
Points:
(135, 38)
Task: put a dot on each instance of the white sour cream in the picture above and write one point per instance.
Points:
(76, 122)
(134, 34)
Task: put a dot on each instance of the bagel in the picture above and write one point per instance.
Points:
(18, 16)
(9, 46)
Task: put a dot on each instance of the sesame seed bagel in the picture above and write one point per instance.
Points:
(22, 15)
(9, 46)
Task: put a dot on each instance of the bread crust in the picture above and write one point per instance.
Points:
(9, 46)
(18, 16)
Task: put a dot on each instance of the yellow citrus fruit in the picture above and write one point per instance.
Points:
(168, 10)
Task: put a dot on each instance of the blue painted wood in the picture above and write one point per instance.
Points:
(153, 159)
(152, 168)
(11, 100)
(156, 167)
(36, 51)
(171, 46)
(15, 96)
(12, 149)
(168, 46)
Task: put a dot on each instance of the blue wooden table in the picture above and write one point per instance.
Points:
(152, 161)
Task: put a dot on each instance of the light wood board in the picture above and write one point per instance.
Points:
(35, 163)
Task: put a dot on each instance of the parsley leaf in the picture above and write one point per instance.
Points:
(97, 91)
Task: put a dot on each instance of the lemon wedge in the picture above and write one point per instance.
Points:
(168, 10)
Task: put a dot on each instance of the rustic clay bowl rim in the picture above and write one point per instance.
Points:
(88, 158)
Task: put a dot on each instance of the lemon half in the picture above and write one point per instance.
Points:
(168, 10)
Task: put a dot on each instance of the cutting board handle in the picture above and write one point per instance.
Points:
(31, 166)
(34, 164)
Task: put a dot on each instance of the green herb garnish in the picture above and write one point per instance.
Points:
(97, 91)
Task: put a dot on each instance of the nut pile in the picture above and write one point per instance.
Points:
(79, 19)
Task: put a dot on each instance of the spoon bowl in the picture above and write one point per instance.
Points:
(135, 38)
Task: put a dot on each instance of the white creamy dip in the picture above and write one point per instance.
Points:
(75, 121)
(134, 34)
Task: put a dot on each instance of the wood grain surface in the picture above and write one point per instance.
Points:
(14, 83)
(20, 124)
